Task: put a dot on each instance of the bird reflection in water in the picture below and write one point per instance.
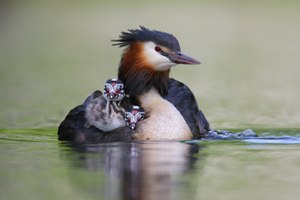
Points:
(140, 170)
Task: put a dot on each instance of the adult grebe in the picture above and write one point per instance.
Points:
(144, 69)
(171, 110)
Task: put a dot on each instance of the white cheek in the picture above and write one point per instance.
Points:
(161, 63)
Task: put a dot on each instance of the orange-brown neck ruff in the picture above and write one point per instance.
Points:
(138, 75)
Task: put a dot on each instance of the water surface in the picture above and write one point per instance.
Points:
(34, 165)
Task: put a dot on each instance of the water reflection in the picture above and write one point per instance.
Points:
(151, 170)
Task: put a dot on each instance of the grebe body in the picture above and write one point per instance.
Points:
(171, 109)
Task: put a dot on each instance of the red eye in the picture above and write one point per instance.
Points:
(157, 48)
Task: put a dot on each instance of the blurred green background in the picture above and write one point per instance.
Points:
(55, 53)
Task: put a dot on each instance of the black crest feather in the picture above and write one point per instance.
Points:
(143, 35)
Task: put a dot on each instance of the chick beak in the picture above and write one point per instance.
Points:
(132, 126)
(180, 58)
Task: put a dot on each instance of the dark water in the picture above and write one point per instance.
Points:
(34, 165)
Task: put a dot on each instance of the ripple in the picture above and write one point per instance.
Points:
(250, 136)
(274, 140)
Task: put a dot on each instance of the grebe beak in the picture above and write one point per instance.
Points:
(181, 58)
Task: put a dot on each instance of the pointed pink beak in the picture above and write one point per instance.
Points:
(181, 58)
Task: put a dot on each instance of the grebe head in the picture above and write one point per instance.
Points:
(133, 116)
(147, 59)
(114, 90)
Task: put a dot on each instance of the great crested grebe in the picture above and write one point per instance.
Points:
(144, 69)
(171, 110)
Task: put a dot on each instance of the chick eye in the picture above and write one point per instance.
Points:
(157, 48)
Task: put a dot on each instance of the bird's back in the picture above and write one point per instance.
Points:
(73, 128)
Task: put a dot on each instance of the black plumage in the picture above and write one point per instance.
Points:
(144, 35)
(73, 127)
(185, 102)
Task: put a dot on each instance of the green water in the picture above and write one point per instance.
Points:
(55, 53)
(34, 165)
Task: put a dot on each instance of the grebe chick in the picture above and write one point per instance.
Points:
(105, 112)
(133, 116)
